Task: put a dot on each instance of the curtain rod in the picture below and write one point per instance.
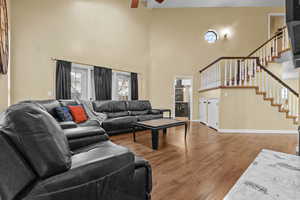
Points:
(120, 70)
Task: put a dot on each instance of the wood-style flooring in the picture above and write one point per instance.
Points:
(204, 167)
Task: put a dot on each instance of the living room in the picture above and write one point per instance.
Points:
(131, 70)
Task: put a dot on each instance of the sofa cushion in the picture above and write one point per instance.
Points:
(78, 113)
(100, 171)
(118, 123)
(80, 132)
(38, 137)
(148, 117)
(68, 124)
(63, 114)
(139, 105)
(90, 122)
(117, 114)
(15, 174)
(143, 112)
(155, 112)
(79, 143)
(109, 106)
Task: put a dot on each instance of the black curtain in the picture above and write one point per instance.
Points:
(134, 86)
(63, 79)
(103, 83)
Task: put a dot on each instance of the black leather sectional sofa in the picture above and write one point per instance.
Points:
(41, 161)
(121, 114)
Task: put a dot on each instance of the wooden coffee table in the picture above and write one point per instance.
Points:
(156, 125)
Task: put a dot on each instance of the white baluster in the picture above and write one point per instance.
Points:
(283, 40)
(287, 39)
(250, 67)
(293, 105)
(268, 51)
(275, 47)
(230, 72)
(220, 78)
(254, 72)
(263, 81)
(225, 73)
(242, 72)
(235, 72)
(246, 72)
(201, 82)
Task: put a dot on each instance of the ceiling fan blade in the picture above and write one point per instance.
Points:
(134, 4)
(159, 1)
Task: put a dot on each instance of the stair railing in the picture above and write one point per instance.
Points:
(248, 72)
(273, 47)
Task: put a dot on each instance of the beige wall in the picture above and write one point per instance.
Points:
(276, 22)
(96, 32)
(3, 91)
(277, 69)
(242, 109)
(159, 43)
(5, 80)
(178, 48)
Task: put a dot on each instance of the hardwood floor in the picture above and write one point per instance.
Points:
(204, 167)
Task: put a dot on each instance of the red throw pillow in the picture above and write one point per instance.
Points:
(78, 113)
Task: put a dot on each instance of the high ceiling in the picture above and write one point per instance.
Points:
(215, 3)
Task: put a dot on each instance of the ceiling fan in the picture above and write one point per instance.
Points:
(135, 3)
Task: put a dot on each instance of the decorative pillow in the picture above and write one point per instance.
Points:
(78, 113)
(63, 114)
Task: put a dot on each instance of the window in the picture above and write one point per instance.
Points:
(82, 86)
(121, 86)
(211, 36)
(82, 83)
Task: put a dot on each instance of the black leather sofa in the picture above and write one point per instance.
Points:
(121, 114)
(78, 135)
(36, 162)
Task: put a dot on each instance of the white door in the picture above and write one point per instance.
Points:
(213, 113)
(203, 110)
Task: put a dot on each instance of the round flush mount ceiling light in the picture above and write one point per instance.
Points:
(211, 36)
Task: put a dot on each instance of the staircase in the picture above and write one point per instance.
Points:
(252, 72)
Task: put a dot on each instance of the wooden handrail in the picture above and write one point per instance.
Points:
(277, 34)
(277, 79)
(222, 58)
(258, 64)
(261, 46)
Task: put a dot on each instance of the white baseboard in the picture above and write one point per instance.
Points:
(258, 131)
(195, 120)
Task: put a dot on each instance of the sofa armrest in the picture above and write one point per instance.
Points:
(68, 125)
(142, 178)
(162, 111)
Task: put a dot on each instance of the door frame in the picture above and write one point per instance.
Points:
(206, 107)
(269, 21)
(173, 94)
(217, 100)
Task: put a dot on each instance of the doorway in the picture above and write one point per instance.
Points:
(183, 96)
(275, 22)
